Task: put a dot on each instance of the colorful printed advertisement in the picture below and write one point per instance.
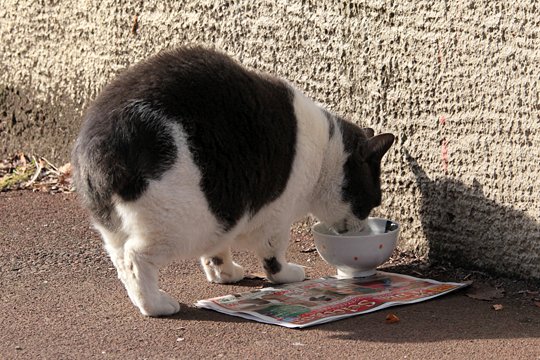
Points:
(317, 301)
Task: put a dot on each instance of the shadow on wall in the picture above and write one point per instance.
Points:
(463, 226)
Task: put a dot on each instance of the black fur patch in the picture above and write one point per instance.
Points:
(241, 130)
(361, 188)
(216, 261)
(272, 266)
(240, 126)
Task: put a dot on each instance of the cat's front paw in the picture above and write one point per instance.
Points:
(161, 304)
(226, 275)
(289, 273)
(234, 274)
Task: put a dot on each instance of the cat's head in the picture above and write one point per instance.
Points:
(358, 187)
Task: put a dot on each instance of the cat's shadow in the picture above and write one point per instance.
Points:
(466, 228)
(436, 320)
(188, 312)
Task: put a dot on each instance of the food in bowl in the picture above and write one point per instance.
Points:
(357, 254)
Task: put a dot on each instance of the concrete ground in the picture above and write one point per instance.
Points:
(60, 298)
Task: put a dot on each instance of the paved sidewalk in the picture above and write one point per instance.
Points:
(60, 298)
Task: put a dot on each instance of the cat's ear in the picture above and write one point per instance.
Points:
(378, 145)
(369, 132)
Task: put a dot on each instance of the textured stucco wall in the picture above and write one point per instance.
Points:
(456, 81)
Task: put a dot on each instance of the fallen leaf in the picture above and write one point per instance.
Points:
(65, 169)
(391, 319)
(310, 250)
(497, 307)
(485, 292)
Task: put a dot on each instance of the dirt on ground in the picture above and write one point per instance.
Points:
(60, 298)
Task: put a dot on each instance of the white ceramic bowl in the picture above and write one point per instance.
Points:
(357, 255)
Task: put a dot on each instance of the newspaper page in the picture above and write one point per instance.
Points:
(317, 301)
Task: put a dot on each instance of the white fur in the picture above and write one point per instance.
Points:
(172, 219)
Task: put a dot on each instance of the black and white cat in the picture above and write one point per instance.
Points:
(188, 154)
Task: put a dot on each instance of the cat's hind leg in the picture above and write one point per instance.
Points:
(221, 269)
(272, 254)
(142, 263)
(137, 268)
